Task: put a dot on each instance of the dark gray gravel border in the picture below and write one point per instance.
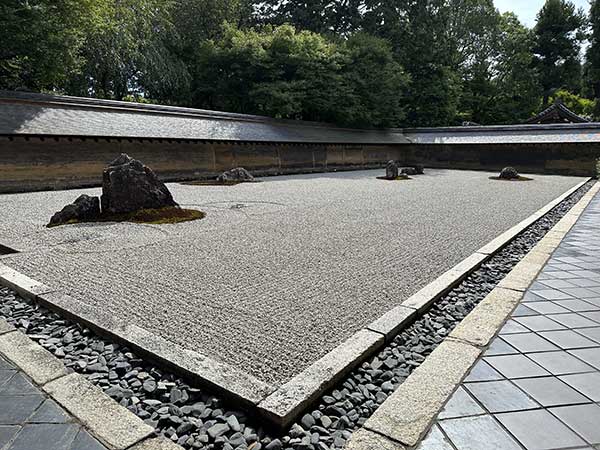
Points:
(197, 419)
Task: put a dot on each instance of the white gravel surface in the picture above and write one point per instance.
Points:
(279, 272)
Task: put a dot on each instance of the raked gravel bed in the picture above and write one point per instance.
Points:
(196, 419)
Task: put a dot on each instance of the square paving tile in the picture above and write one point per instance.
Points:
(523, 310)
(584, 273)
(83, 441)
(513, 327)
(477, 433)
(551, 391)
(586, 383)
(592, 315)
(5, 376)
(573, 320)
(482, 371)
(500, 347)
(568, 339)
(4, 364)
(560, 275)
(580, 292)
(539, 323)
(18, 385)
(7, 432)
(594, 301)
(584, 419)
(577, 305)
(552, 294)
(539, 430)
(15, 409)
(560, 363)
(529, 342)
(557, 284)
(584, 282)
(516, 366)
(589, 355)
(49, 412)
(37, 437)
(501, 396)
(530, 297)
(591, 333)
(461, 404)
(435, 440)
(547, 308)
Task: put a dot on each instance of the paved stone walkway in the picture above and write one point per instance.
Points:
(538, 385)
(31, 421)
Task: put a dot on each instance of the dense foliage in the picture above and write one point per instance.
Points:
(361, 63)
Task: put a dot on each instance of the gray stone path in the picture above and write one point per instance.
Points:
(538, 384)
(31, 421)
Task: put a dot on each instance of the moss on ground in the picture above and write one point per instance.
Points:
(512, 179)
(215, 183)
(398, 178)
(169, 215)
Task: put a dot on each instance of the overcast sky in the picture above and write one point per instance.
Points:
(528, 9)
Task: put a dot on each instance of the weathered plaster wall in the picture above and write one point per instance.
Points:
(36, 163)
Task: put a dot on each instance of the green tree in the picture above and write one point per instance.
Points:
(593, 56)
(579, 105)
(558, 35)
(503, 89)
(284, 73)
(40, 41)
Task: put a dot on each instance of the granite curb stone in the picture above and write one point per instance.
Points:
(5, 327)
(156, 444)
(219, 375)
(364, 439)
(106, 419)
(285, 403)
(37, 363)
(21, 283)
(482, 324)
(406, 415)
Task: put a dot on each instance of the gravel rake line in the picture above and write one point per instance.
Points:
(195, 418)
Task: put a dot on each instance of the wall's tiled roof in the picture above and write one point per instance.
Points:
(35, 114)
(510, 134)
(47, 115)
(557, 113)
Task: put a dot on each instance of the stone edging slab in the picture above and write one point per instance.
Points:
(112, 424)
(282, 405)
(405, 417)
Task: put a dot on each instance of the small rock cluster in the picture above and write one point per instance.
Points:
(127, 186)
(239, 175)
(197, 419)
(393, 171)
(509, 173)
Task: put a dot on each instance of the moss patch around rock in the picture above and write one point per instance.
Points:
(151, 216)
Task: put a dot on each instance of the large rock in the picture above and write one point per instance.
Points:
(128, 186)
(84, 209)
(391, 170)
(238, 174)
(509, 173)
(408, 171)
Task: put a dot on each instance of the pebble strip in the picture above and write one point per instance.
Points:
(196, 419)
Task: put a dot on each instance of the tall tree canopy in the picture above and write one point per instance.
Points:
(363, 63)
(558, 35)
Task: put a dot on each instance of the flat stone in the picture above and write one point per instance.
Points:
(364, 439)
(39, 436)
(21, 284)
(288, 401)
(522, 275)
(405, 416)
(393, 321)
(105, 418)
(16, 409)
(481, 325)
(37, 363)
(157, 444)
(49, 412)
(5, 327)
